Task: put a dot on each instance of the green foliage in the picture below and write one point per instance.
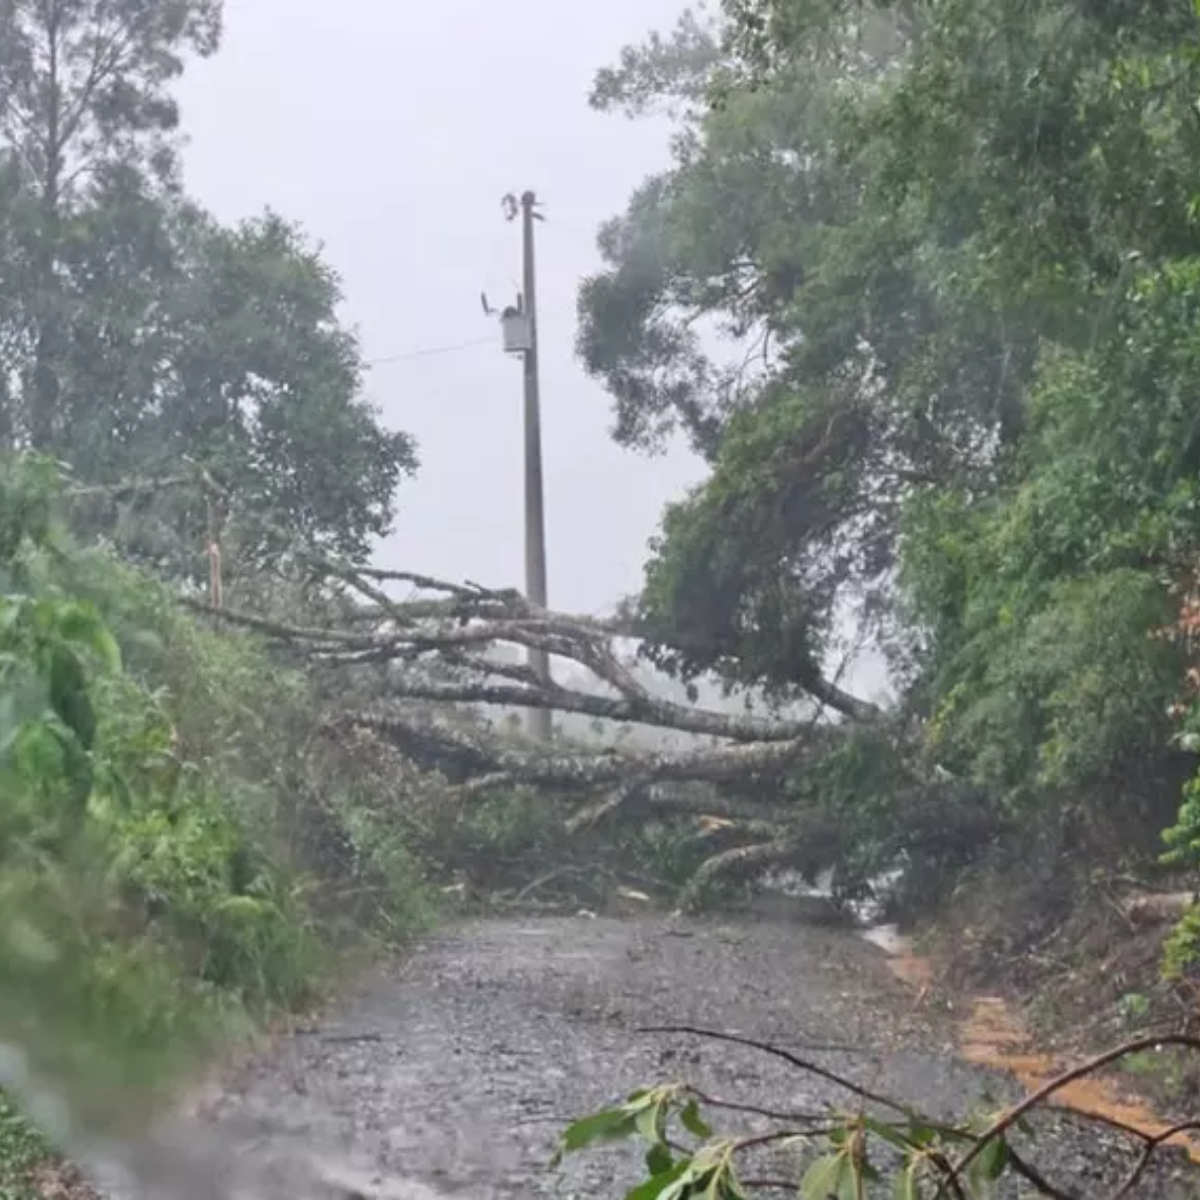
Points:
(731, 586)
(85, 111)
(520, 826)
(235, 333)
(669, 852)
(850, 1155)
(150, 902)
(1181, 950)
(138, 332)
(22, 1150)
(123, 104)
(857, 786)
(1183, 838)
(508, 839)
(263, 389)
(392, 892)
(955, 254)
(1040, 601)
(915, 227)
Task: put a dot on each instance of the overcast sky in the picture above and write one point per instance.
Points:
(391, 131)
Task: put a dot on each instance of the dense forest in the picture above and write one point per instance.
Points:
(955, 246)
(920, 284)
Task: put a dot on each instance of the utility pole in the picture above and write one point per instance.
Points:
(535, 518)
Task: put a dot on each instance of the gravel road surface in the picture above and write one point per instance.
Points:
(451, 1073)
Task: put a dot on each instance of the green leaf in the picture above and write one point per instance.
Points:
(905, 1185)
(68, 694)
(716, 1184)
(107, 649)
(78, 765)
(659, 1159)
(990, 1163)
(650, 1121)
(77, 713)
(10, 613)
(693, 1122)
(665, 1185)
(921, 1134)
(903, 1138)
(613, 1124)
(824, 1177)
(83, 625)
(10, 723)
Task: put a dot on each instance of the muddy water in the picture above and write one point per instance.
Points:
(991, 1035)
(450, 1075)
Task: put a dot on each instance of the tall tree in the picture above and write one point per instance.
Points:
(854, 369)
(84, 87)
(136, 329)
(264, 385)
(904, 205)
(222, 345)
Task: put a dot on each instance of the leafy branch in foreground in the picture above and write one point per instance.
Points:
(847, 1153)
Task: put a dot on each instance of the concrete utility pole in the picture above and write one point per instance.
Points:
(535, 518)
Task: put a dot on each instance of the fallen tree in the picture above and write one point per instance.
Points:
(424, 666)
(449, 649)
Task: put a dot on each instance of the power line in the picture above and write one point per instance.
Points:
(430, 351)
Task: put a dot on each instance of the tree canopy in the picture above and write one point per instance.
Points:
(134, 326)
(920, 285)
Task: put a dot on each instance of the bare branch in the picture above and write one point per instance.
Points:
(497, 765)
(473, 617)
(1012, 1115)
(902, 1126)
(745, 860)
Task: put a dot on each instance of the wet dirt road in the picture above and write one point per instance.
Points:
(451, 1074)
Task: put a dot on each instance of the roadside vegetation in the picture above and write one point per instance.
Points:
(955, 247)
(182, 863)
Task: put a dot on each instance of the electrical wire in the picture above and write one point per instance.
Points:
(430, 351)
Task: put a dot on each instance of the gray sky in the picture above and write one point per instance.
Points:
(391, 131)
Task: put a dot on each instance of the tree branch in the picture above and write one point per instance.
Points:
(503, 766)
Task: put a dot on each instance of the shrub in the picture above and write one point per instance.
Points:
(154, 773)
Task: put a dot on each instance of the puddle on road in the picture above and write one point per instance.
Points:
(992, 1036)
